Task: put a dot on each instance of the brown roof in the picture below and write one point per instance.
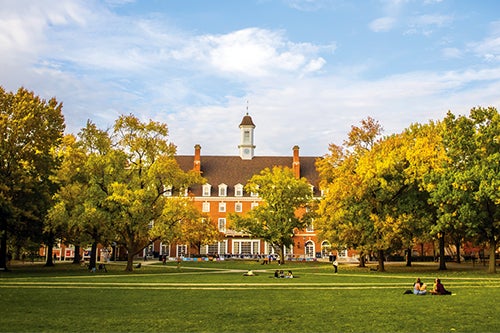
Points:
(232, 170)
(247, 121)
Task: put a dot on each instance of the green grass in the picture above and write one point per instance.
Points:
(216, 297)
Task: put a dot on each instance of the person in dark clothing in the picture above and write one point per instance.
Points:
(439, 288)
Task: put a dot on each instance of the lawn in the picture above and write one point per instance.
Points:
(216, 297)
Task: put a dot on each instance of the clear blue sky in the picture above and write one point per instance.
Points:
(307, 70)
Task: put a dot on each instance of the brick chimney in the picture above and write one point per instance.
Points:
(197, 158)
(296, 162)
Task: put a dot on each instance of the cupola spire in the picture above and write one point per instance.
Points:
(246, 145)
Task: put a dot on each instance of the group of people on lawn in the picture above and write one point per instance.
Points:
(277, 274)
(420, 288)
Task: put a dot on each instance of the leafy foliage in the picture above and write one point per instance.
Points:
(276, 218)
(30, 129)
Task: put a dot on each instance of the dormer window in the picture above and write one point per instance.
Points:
(222, 190)
(206, 190)
(238, 190)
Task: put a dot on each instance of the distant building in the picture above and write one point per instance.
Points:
(224, 193)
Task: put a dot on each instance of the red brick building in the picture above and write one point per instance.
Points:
(224, 193)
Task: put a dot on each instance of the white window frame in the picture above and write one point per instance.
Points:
(205, 207)
(222, 190)
(222, 207)
(206, 190)
(238, 207)
(309, 249)
(253, 205)
(221, 224)
(238, 190)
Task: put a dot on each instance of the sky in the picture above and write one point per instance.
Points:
(305, 70)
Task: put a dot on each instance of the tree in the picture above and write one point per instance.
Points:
(30, 128)
(130, 179)
(467, 193)
(342, 216)
(276, 218)
(486, 176)
(76, 217)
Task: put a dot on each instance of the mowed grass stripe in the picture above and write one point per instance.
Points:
(230, 286)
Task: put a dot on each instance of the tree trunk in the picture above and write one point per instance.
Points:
(442, 260)
(408, 257)
(492, 268)
(3, 251)
(381, 259)
(457, 246)
(77, 258)
(93, 256)
(282, 254)
(130, 262)
(362, 261)
(50, 261)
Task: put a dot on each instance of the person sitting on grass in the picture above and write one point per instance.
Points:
(419, 288)
(289, 275)
(439, 288)
(249, 273)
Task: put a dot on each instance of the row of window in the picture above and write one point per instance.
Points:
(238, 190)
(238, 206)
(251, 246)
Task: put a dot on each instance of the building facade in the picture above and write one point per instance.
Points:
(224, 193)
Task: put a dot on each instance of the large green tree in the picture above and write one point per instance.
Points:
(275, 219)
(342, 216)
(467, 192)
(129, 181)
(30, 129)
(373, 203)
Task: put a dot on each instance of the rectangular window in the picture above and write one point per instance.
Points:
(206, 190)
(222, 224)
(254, 204)
(343, 253)
(222, 191)
(206, 207)
(222, 207)
(181, 250)
(213, 249)
(246, 247)
(238, 191)
(238, 207)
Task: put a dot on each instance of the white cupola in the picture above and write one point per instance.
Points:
(246, 145)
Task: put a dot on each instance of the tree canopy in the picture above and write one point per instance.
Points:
(275, 219)
(429, 181)
(30, 129)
